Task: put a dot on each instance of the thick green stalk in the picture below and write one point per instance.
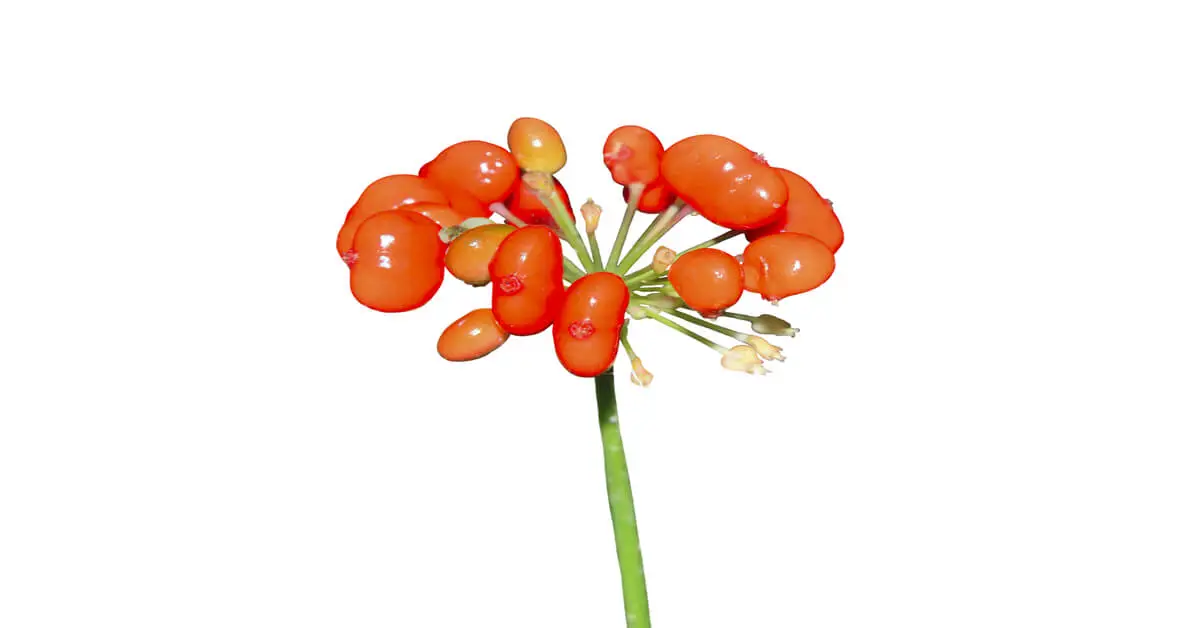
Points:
(620, 505)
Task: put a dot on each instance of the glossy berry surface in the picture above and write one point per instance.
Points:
(784, 264)
(483, 170)
(464, 203)
(587, 331)
(536, 146)
(386, 194)
(471, 337)
(526, 205)
(442, 214)
(724, 181)
(527, 280)
(708, 280)
(469, 256)
(396, 264)
(656, 197)
(633, 154)
(806, 212)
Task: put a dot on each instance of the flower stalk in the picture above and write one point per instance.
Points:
(635, 196)
(620, 506)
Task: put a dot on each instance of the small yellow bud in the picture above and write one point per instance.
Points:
(663, 258)
(743, 358)
(765, 349)
(591, 215)
(640, 375)
(536, 146)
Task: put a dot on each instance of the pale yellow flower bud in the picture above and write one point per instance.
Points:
(663, 258)
(765, 349)
(743, 358)
(591, 215)
(640, 375)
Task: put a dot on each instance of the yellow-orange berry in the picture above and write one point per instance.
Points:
(536, 146)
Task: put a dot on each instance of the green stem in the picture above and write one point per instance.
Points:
(571, 271)
(635, 195)
(740, 317)
(620, 505)
(646, 273)
(567, 226)
(696, 320)
(597, 259)
(657, 229)
(655, 314)
(732, 233)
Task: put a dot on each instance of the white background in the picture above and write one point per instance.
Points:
(989, 418)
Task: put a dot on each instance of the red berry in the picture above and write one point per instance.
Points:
(633, 155)
(386, 194)
(656, 197)
(724, 181)
(708, 280)
(587, 332)
(443, 215)
(527, 280)
(399, 261)
(485, 171)
(465, 204)
(784, 264)
(806, 212)
(471, 337)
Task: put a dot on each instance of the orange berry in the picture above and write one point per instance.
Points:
(481, 169)
(633, 155)
(783, 264)
(587, 331)
(536, 146)
(527, 280)
(656, 197)
(708, 280)
(470, 254)
(471, 337)
(396, 261)
(806, 212)
(386, 194)
(724, 181)
(526, 205)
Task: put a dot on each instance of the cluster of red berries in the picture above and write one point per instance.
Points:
(405, 231)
